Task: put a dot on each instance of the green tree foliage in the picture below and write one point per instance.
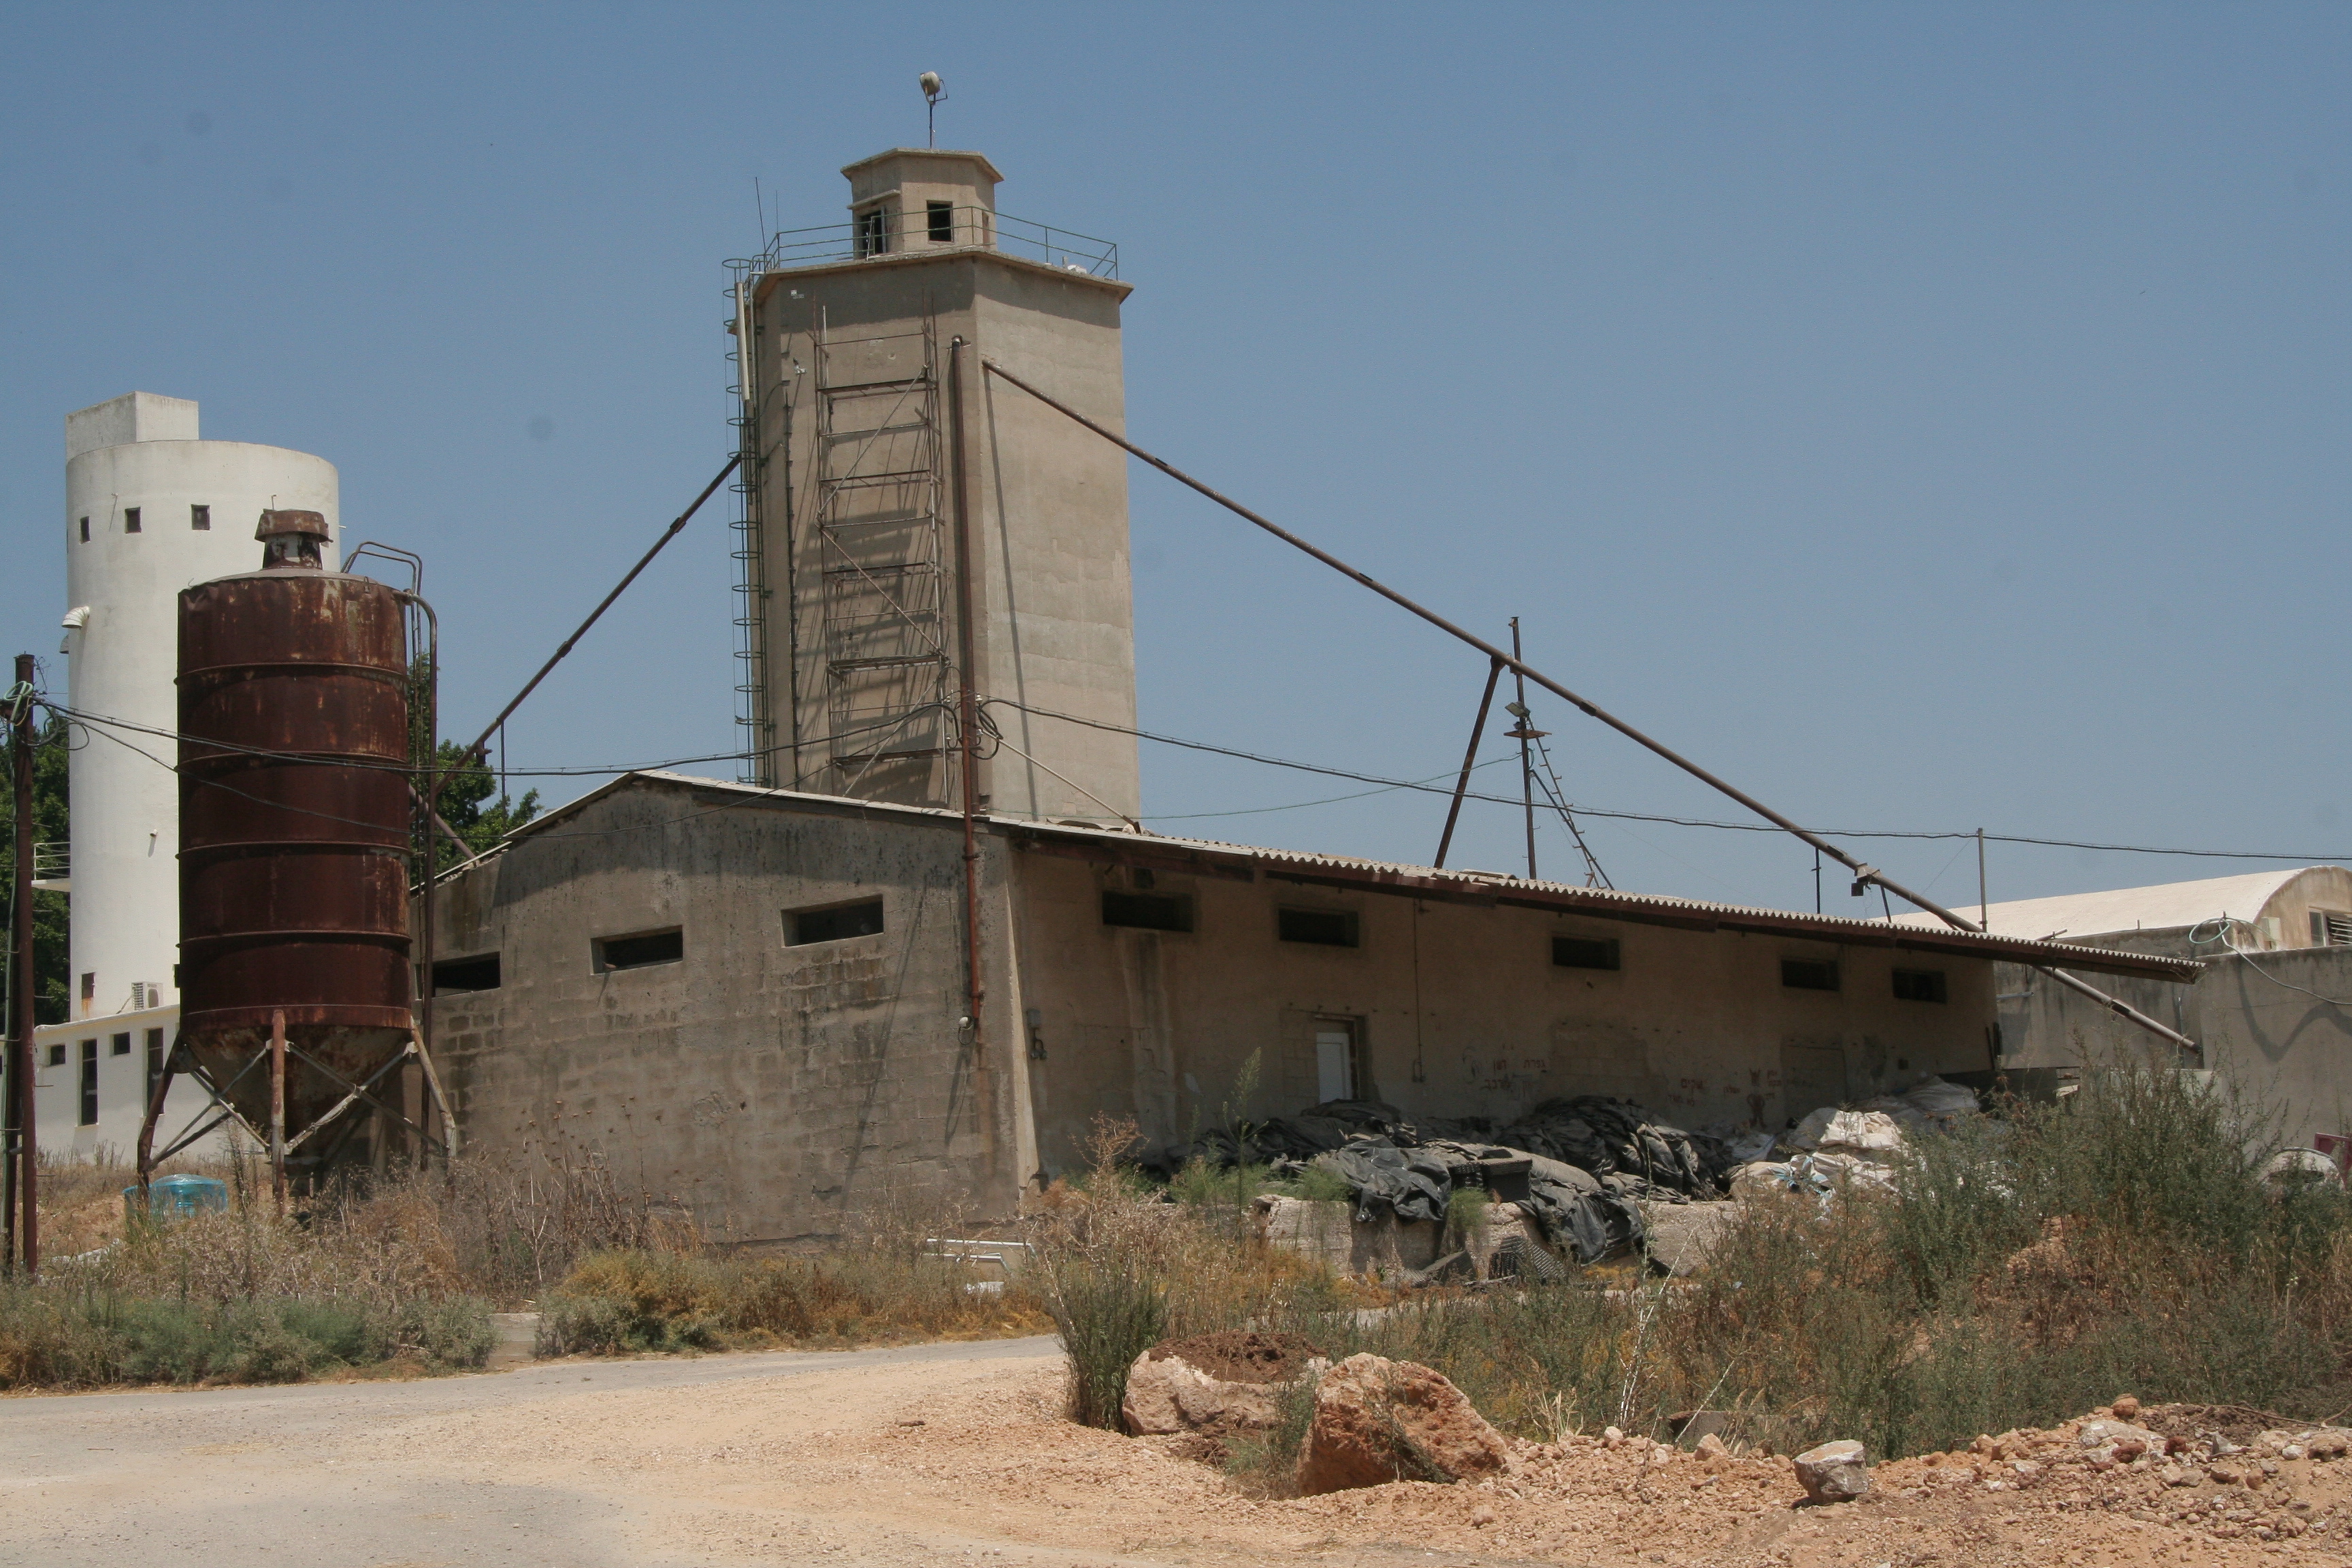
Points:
(467, 806)
(49, 956)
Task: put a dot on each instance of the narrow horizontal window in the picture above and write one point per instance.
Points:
(835, 922)
(1146, 911)
(1809, 973)
(129, 520)
(200, 518)
(1919, 986)
(1584, 952)
(1323, 928)
(480, 973)
(641, 950)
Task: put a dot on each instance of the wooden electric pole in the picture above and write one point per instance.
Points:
(25, 1166)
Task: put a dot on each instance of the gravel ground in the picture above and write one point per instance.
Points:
(954, 1454)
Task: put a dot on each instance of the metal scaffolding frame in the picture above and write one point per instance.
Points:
(878, 528)
(754, 595)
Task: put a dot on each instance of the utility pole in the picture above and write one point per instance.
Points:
(1984, 904)
(24, 1167)
(1525, 734)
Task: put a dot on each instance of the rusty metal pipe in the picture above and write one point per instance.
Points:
(967, 710)
(1865, 874)
(1469, 761)
(423, 1024)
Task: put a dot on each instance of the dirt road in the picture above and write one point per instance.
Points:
(955, 1454)
(566, 1464)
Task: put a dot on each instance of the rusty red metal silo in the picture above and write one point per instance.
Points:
(294, 826)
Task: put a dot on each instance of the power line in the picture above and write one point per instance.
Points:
(263, 752)
(100, 722)
(1326, 800)
(1389, 784)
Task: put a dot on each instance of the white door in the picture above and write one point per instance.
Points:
(1335, 1064)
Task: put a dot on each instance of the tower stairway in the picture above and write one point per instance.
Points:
(877, 521)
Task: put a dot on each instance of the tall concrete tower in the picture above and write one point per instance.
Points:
(150, 510)
(859, 350)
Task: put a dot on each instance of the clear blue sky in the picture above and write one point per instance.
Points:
(1928, 416)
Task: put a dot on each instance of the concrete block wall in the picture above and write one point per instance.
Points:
(776, 1091)
(2278, 1028)
(1461, 1011)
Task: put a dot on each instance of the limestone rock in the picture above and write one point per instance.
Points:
(1834, 1472)
(1378, 1421)
(1869, 1132)
(1217, 1384)
(1680, 1236)
(2121, 1439)
(1761, 1179)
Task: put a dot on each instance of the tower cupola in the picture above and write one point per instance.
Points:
(917, 198)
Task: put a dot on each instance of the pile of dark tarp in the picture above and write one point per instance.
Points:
(1590, 1158)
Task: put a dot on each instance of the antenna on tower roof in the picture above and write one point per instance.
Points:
(934, 89)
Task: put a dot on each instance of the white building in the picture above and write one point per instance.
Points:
(2271, 1013)
(150, 510)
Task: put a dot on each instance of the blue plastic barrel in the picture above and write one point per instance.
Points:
(172, 1198)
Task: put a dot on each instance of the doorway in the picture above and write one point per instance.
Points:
(1339, 1059)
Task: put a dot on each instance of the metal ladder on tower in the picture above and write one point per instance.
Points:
(877, 517)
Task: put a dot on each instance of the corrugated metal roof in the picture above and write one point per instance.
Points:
(1466, 887)
(2169, 906)
(1483, 886)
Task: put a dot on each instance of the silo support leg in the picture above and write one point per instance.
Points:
(358, 1092)
(155, 1114)
(440, 1100)
(218, 1096)
(277, 1110)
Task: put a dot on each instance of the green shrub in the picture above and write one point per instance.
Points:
(2023, 1271)
(648, 1302)
(270, 1352)
(1321, 1183)
(1204, 1185)
(1108, 1311)
(630, 1300)
(586, 1325)
(1269, 1461)
(453, 1335)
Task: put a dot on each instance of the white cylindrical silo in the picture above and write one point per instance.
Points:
(150, 510)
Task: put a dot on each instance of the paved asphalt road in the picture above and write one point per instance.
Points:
(227, 1478)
